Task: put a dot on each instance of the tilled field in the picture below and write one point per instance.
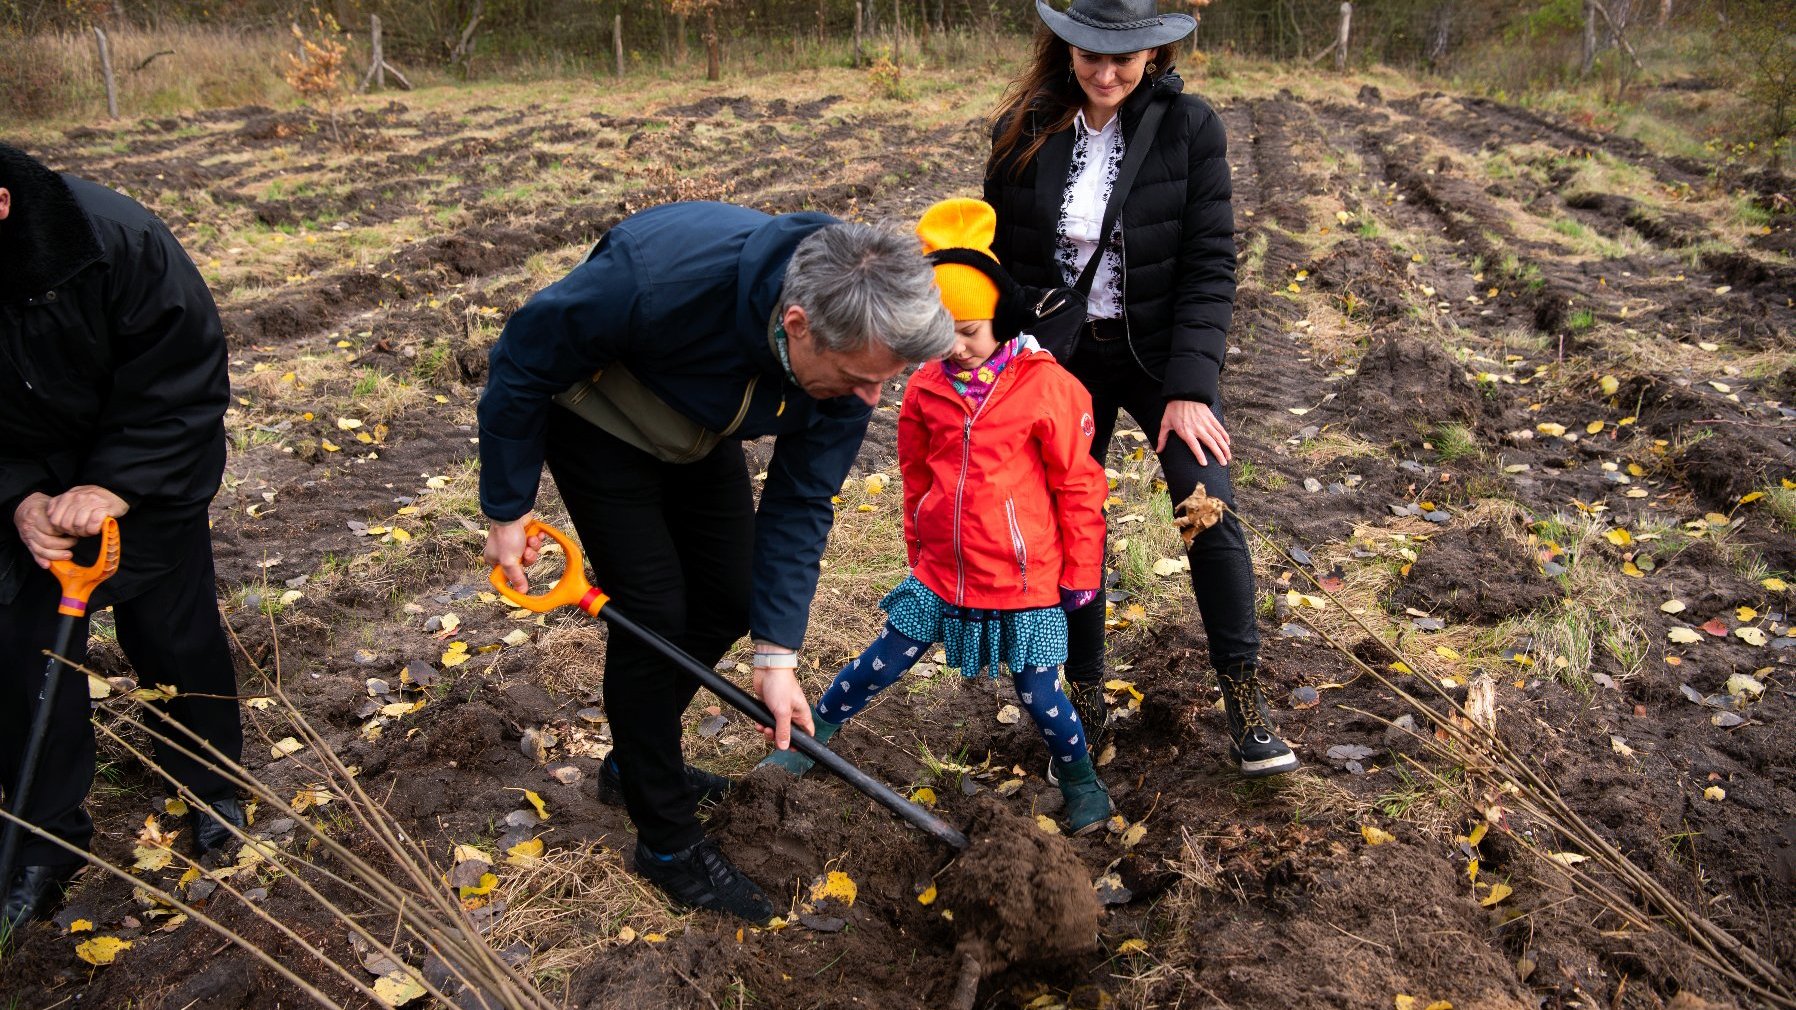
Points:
(1515, 392)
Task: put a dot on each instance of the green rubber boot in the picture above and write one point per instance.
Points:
(1088, 803)
(792, 761)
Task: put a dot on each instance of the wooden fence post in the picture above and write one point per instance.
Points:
(1341, 39)
(378, 66)
(1590, 39)
(617, 41)
(106, 72)
(857, 33)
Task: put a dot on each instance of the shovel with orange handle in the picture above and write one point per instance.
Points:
(78, 585)
(573, 590)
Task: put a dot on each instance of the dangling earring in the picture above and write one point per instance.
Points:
(1150, 69)
(1069, 73)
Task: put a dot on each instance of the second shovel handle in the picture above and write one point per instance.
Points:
(80, 581)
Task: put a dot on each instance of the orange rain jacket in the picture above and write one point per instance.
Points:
(1003, 505)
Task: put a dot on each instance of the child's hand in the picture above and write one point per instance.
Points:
(1074, 599)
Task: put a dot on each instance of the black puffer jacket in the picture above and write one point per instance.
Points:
(1178, 236)
(112, 361)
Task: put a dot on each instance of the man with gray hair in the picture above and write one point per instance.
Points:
(690, 328)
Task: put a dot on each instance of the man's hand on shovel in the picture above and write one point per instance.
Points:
(776, 681)
(511, 548)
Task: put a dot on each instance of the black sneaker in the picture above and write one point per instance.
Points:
(35, 892)
(709, 786)
(700, 877)
(1252, 743)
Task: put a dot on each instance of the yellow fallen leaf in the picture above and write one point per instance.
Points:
(1751, 636)
(287, 745)
(1497, 893)
(1133, 836)
(625, 935)
(542, 809)
(1446, 653)
(875, 483)
(834, 885)
(1672, 606)
(928, 896)
(348, 423)
(654, 938)
(81, 926)
(1400, 667)
(1751, 497)
(1746, 613)
(1683, 636)
(1593, 427)
(1550, 428)
(1774, 584)
(525, 853)
(457, 654)
(101, 949)
(1714, 794)
(1567, 858)
(1609, 385)
(398, 988)
(401, 536)
(923, 795)
(1478, 832)
(1405, 1002)
(1375, 835)
(1631, 569)
(1619, 537)
(1046, 823)
(1133, 945)
(487, 882)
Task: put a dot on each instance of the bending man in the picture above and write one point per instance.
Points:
(690, 328)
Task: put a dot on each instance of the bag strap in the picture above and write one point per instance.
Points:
(1125, 178)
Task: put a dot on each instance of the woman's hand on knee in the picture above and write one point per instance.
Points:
(1197, 426)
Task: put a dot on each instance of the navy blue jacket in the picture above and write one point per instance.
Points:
(682, 295)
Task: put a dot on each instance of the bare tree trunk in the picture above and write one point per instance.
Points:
(1664, 13)
(1441, 34)
(680, 38)
(857, 33)
(377, 64)
(713, 57)
(617, 41)
(1341, 39)
(822, 24)
(106, 71)
(1590, 38)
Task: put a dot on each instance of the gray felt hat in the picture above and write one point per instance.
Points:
(1115, 26)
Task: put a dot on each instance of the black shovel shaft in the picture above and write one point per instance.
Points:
(803, 742)
(34, 747)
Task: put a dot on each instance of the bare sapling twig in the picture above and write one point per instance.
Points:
(410, 890)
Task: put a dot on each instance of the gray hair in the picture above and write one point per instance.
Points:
(857, 283)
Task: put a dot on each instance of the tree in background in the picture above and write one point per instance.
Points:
(316, 70)
(1762, 36)
(709, 8)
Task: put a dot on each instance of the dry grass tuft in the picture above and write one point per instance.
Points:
(572, 658)
(572, 905)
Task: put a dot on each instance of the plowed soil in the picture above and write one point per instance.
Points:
(1473, 346)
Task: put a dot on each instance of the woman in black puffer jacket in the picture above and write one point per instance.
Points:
(1159, 305)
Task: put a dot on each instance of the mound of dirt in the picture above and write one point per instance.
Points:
(1019, 894)
(1404, 384)
(1476, 575)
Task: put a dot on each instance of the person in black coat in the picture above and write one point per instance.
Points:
(1160, 302)
(112, 398)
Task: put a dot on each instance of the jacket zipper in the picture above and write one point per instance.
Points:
(966, 455)
(1016, 542)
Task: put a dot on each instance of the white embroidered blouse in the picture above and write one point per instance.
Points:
(1097, 156)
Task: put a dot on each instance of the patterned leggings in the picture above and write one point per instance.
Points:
(892, 653)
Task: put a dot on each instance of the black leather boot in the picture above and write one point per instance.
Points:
(209, 831)
(36, 892)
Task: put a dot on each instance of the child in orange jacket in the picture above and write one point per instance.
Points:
(1003, 513)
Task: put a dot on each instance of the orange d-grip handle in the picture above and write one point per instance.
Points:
(78, 583)
(571, 590)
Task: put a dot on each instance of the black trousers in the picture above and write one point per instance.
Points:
(1221, 567)
(672, 544)
(171, 634)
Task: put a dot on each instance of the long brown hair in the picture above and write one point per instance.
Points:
(1045, 99)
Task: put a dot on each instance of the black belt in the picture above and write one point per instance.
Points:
(1105, 330)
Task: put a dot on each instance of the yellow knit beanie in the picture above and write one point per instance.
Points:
(962, 223)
